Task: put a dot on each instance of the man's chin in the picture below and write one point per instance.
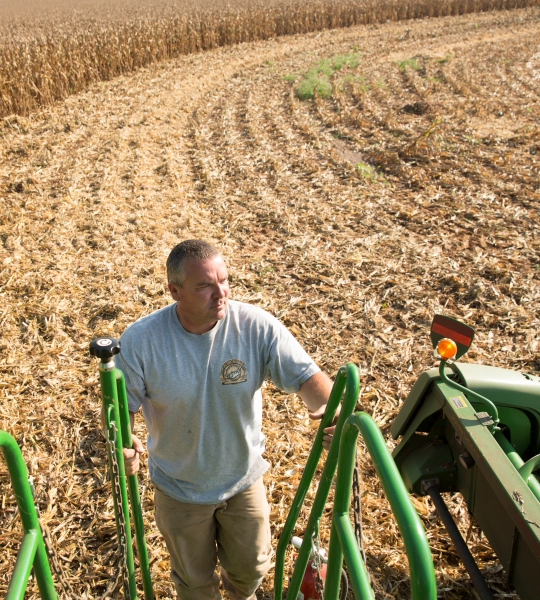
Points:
(220, 313)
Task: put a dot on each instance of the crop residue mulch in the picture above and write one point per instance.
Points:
(413, 190)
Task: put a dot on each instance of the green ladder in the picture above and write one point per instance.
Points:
(343, 545)
(118, 434)
(32, 552)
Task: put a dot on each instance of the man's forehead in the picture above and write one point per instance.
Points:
(205, 268)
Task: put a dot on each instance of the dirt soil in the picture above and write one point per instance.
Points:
(412, 191)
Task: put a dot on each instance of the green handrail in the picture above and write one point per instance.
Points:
(348, 381)
(111, 412)
(116, 413)
(133, 488)
(32, 552)
(342, 538)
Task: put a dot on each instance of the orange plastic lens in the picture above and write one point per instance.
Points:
(447, 348)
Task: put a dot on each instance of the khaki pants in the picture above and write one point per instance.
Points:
(236, 531)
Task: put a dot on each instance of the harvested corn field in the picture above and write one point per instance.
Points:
(51, 50)
(406, 186)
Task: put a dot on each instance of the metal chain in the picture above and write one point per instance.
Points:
(115, 480)
(357, 512)
(69, 592)
(319, 584)
(317, 564)
(52, 553)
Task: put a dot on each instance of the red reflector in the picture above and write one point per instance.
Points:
(453, 335)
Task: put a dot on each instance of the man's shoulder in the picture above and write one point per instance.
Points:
(251, 319)
(244, 310)
(152, 321)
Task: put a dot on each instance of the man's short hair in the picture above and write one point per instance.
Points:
(196, 249)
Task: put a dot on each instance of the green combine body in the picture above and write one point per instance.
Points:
(449, 441)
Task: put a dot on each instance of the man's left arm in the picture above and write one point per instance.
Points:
(315, 393)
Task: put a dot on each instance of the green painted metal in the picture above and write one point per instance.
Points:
(491, 408)
(518, 463)
(501, 386)
(531, 465)
(347, 380)
(524, 469)
(510, 390)
(23, 566)
(423, 585)
(493, 457)
(109, 397)
(428, 459)
(413, 404)
(343, 542)
(517, 425)
(133, 488)
(116, 413)
(32, 552)
(358, 575)
(505, 506)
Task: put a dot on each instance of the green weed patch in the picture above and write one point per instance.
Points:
(318, 79)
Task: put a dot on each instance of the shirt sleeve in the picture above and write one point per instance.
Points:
(130, 365)
(288, 364)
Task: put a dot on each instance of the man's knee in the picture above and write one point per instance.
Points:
(194, 590)
(243, 585)
(258, 568)
(247, 574)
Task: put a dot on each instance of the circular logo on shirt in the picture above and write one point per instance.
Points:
(233, 371)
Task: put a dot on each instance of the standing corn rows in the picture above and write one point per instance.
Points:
(52, 59)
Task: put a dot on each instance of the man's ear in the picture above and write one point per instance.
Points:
(174, 290)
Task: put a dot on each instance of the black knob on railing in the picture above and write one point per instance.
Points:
(104, 348)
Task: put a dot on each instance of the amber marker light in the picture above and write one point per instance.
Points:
(447, 348)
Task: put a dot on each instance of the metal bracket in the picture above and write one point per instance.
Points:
(485, 419)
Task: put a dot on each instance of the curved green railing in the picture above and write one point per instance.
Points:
(32, 552)
(342, 539)
(348, 381)
(343, 543)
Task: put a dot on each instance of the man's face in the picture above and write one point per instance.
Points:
(202, 299)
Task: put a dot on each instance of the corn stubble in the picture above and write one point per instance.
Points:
(411, 190)
(43, 60)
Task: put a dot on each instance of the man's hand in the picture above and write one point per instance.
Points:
(131, 456)
(329, 431)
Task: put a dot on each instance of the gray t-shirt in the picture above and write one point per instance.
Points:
(201, 396)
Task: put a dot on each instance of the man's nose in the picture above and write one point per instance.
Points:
(220, 290)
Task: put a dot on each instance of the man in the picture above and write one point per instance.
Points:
(196, 368)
